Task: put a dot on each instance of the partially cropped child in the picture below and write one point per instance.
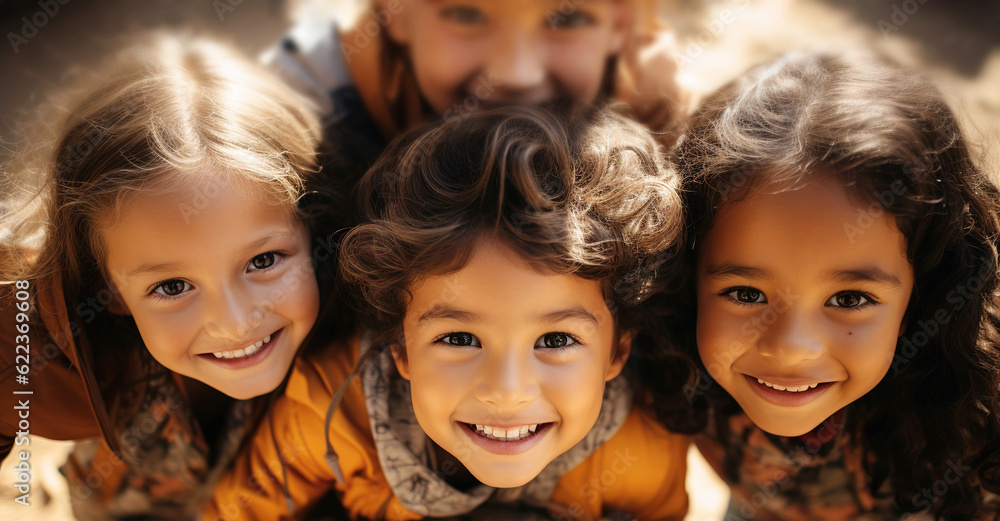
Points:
(162, 272)
(503, 260)
(401, 63)
(845, 272)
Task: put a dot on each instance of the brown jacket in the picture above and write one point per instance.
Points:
(147, 455)
(62, 403)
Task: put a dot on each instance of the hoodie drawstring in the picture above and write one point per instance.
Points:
(331, 455)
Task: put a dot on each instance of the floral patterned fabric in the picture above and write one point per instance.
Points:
(165, 470)
(817, 476)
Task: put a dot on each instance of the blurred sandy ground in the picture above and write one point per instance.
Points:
(955, 44)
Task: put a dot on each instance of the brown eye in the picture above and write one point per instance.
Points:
(848, 300)
(747, 295)
(574, 19)
(465, 15)
(460, 339)
(171, 288)
(555, 341)
(263, 261)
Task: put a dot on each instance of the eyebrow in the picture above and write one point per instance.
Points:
(256, 245)
(440, 312)
(156, 268)
(728, 270)
(577, 313)
(866, 274)
(175, 266)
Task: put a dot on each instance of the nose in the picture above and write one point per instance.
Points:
(232, 313)
(791, 336)
(507, 380)
(516, 67)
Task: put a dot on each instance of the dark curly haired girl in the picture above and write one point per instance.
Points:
(503, 258)
(844, 267)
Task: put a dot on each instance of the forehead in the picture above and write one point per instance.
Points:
(169, 220)
(523, 7)
(496, 281)
(819, 224)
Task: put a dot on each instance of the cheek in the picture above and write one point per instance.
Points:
(867, 354)
(579, 68)
(168, 339)
(436, 387)
(297, 293)
(306, 300)
(443, 66)
(715, 331)
(576, 390)
(167, 333)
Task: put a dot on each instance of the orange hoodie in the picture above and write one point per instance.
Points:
(639, 469)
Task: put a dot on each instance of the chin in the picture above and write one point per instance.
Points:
(247, 392)
(789, 429)
(495, 478)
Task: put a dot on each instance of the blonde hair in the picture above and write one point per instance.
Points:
(172, 111)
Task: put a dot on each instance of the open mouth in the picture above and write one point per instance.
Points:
(799, 389)
(246, 351)
(508, 434)
(245, 356)
(785, 394)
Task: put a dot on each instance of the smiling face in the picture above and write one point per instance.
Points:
(470, 53)
(800, 304)
(222, 291)
(507, 365)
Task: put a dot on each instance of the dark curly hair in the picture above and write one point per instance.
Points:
(576, 193)
(880, 130)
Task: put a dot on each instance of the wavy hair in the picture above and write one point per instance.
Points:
(171, 111)
(586, 194)
(168, 112)
(881, 130)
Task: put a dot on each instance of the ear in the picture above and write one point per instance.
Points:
(623, 24)
(393, 20)
(399, 357)
(620, 356)
(902, 326)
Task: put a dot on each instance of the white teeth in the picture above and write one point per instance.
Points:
(505, 434)
(777, 387)
(246, 351)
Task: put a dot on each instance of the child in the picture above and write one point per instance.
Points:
(502, 258)
(165, 272)
(845, 272)
(403, 62)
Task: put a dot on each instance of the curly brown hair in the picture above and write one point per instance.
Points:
(582, 193)
(887, 134)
